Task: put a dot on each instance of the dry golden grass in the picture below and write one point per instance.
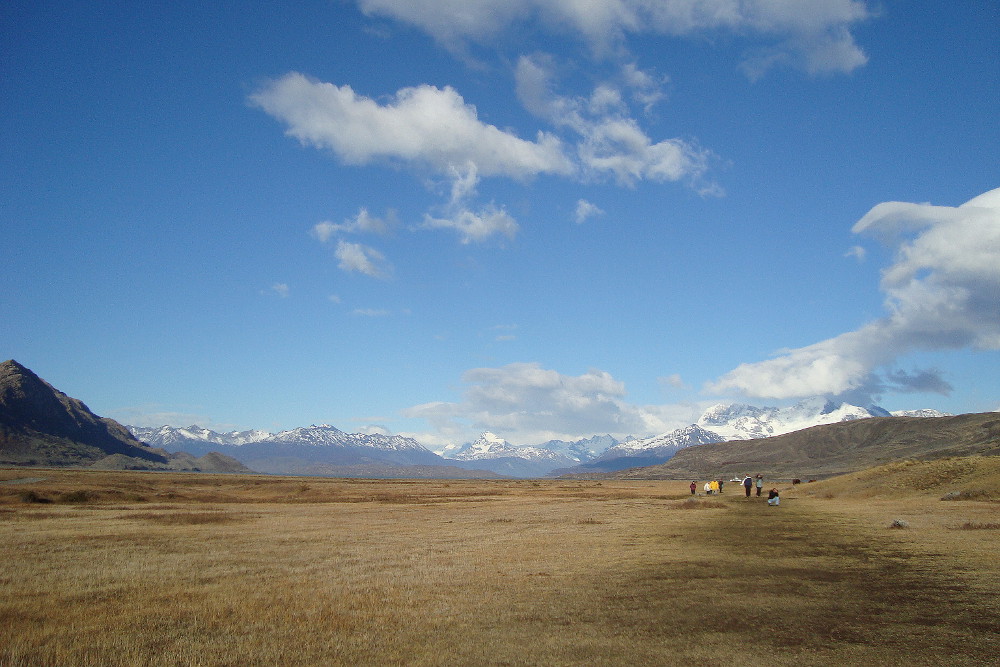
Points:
(127, 568)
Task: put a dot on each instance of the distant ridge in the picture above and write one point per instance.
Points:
(42, 426)
(833, 449)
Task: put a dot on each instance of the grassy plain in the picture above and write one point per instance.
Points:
(128, 568)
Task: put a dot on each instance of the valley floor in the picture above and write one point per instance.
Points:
(160, 569)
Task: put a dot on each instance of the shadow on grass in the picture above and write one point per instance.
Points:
(786, 582)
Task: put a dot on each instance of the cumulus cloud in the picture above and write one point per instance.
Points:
(362, 259)
(528, 404)
(814, 35)
(942, 292)
(423, 124)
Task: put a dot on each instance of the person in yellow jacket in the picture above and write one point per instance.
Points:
(714, 484)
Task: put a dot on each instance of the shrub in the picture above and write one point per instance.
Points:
(695, 504)
(976, 525)
(78, 496)
(33, 497)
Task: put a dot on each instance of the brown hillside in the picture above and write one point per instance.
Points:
(952, 478)
(42, 426)
(824, 451)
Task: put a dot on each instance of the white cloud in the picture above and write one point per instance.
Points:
(528, 404)
(471, 226)
(942, 292)
(610, 142)
(362, 223)
(586, 210)
(476, 225)
(361, 258)
(281, 289)
(857, 252)
(811, 34)
(422, 124)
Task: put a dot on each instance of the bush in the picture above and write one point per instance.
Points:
(79, 496)
(976, 525)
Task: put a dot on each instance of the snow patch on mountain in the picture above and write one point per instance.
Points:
(321, 435)
(920, 413)
(491, 446)
(739, 421)
(665, 442)
(168, 435)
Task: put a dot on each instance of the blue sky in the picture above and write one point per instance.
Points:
(438, 217)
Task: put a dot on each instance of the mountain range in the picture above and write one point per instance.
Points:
(834, 449)
(42, 426)
(325, 450)
(313, 450)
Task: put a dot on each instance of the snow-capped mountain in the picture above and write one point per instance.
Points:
(743, 422)
(586, 449)
(300, 450)
(636, 452)
(324, 435)
(166, 435)
(295, 451)
(736, 421)
(920, 413)
(664, 444)
(492, 446)
(491, 452)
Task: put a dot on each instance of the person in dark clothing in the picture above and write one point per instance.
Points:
(694, 487)
(748, 484)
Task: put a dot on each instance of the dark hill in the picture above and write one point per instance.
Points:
(41, 426)
(833, 449)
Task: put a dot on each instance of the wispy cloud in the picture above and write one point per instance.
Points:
(813, 35)
(471, 226)
(371, 312)
(857, 252)
(942, 292)
(609, 141)
(281, 289)
(585, 210)
(362, 223)
(362, 259)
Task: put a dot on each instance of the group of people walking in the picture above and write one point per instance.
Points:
(749, 483)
